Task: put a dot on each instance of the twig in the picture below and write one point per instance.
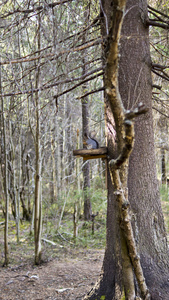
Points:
(38, 8)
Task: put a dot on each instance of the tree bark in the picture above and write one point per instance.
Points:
(38, 202)
(143, 192)
(136, 85)
(85, 130)
(6, 249)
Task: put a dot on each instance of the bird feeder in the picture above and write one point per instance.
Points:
(91, 153)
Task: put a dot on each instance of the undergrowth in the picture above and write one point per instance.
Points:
(58, 228)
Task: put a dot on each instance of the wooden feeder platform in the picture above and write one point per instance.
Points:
(91, 153)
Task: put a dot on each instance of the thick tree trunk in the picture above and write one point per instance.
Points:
(135, 84)
(110, 283)
(147, 217)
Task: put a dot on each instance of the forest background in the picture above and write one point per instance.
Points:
(51, 68)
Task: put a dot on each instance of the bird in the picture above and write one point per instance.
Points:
(90, 142)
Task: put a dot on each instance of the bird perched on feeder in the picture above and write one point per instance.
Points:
(90, 142)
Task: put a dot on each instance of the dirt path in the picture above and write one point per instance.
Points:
(63, 278)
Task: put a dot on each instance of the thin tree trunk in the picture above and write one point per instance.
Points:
(14, 179)
(38, 208)
(54, 182)
(85, 130)
(58, 156)
(163, 166)
(6, 193)
(18, 193)
(78, 162)
(37, 217)
(6, 250)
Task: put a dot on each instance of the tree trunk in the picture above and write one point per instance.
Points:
(85, 130)
(86, 167)
(6, 249)
(6, 192)
(54, 182)
(163, 166)
(136, 85)
(38, 204)
(146, 213)
(38, 208)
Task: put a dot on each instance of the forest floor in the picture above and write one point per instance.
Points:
(68, 275)
(68, 270)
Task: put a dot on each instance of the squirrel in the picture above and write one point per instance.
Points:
(90, 142)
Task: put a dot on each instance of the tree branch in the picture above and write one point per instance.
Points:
(42, 88)
(77, 85)
(155, 86)
(159, 67)
(156, 24)
(125, 141)
(38, 8)
(160, 112)
(90, 93)
(157, 11)
(159, 51)
(114, 166)
(129, 136)
(79, 48)
(165, 76)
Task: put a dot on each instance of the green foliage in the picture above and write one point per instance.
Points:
(63, 236)
(99, 200)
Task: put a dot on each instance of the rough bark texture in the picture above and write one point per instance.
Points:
(110, 284)
(135, 86)
(147, 217)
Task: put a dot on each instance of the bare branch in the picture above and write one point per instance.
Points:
(139, 110)
(158, 18)
(164, 76)
(160, 112)
(126, 226)
(38, 8)
(159, 51)
(45, 87)
(157, 11)
(77, 85)
(129, 135)
(155, 86)
(159, 67)
(125, 153)
(91, 92)
(157, 24)
(56, 55)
